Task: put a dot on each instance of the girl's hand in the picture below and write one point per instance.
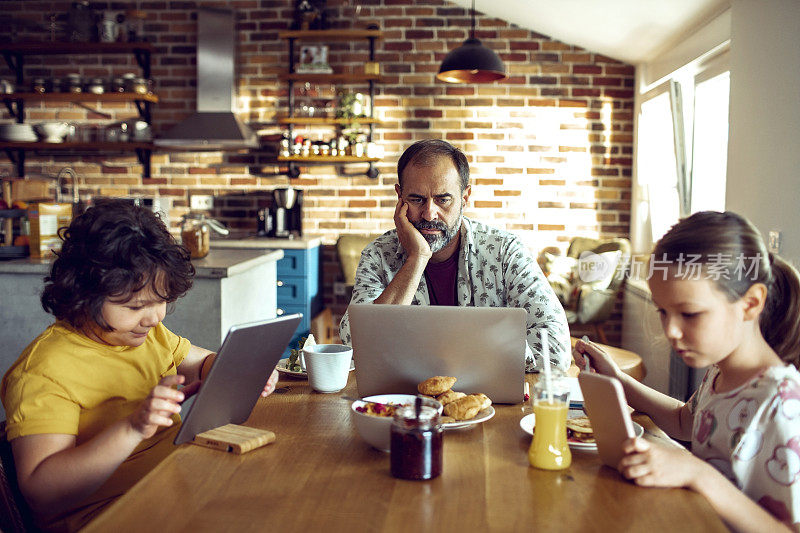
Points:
(410, 238)
(269, 388)
(599, 360)
(159, 406)
(650, 464)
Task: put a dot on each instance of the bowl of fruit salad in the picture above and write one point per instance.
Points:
(372, 416)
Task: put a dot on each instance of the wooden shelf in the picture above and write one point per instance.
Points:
(331, 35)
(52, 48)
(80, 97)
(328, 159)
(67, 146)
(324, 121)
(339, 78)
(331, 78)
(13, 54)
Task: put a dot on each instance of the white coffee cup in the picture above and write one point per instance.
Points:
(328, 366)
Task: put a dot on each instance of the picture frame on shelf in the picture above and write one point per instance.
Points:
(313, 59)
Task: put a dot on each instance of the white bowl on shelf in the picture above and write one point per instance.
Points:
(52, 132)
(14, 132)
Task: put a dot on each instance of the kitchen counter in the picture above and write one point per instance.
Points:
(255, 242)
(217, 264)
(232, 286)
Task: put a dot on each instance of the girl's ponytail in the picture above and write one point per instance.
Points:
(780, 320)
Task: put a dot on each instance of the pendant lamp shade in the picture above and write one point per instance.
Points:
(471, 62)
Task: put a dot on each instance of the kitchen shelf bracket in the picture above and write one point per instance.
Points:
(145, 156)
(15, 63)
(17, 157)
(143, 58)
(16, 108)
(144, 110)
(293, 170)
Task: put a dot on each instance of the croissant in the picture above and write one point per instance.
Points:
(464, 408)
(436, 385)
(449, 396)
(485, 401)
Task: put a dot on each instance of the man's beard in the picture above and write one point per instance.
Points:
(437, 242)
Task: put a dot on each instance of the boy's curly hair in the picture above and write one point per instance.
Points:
(113, 250)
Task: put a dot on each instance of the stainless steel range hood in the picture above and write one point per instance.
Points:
(214, 126)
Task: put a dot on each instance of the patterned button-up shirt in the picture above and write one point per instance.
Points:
(494, 270)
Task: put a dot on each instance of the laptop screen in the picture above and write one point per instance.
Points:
(397, 346)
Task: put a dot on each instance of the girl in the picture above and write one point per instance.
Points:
(727, 304)
(92, 403)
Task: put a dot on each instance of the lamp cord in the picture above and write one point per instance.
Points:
(472, 33)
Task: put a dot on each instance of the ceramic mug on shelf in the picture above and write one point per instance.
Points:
(328, 366)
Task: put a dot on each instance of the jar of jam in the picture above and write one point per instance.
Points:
(416, 443)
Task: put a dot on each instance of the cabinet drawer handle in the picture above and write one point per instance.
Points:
(280, 283)
(279, 311)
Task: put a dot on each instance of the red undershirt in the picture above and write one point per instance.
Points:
(441, 279)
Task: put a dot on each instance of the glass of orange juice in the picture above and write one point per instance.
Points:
(549, 449)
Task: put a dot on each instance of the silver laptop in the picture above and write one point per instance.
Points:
(397, 346)
(244, 362)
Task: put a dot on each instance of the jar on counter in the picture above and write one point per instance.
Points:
(416, 443)
(196, 235)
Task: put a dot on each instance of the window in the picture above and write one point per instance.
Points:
(682, 147)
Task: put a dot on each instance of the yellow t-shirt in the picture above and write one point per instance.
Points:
(64, 382)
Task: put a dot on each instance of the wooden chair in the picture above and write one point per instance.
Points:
(15, 515)
(349, 248)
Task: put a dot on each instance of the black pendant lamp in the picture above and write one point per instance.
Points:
(472, 62)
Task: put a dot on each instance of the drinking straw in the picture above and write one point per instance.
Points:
(546, 366)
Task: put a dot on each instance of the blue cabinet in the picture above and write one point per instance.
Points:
(299, 288)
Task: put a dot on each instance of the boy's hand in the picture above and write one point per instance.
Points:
(159, 406)
(269, 388)
(649, 464)
(410, 238)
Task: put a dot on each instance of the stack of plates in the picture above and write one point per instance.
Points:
(17, 133)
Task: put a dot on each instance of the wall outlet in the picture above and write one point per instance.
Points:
(774, 244)
(201, 202)
(339, 288)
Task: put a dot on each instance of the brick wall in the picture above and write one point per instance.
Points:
(550, 148)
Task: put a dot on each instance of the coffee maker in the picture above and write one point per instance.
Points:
(285, 216)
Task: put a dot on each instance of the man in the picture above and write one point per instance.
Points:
(436, 256)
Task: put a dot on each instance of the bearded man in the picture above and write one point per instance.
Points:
(436, 256)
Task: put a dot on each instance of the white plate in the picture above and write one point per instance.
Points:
(281, 367)
(529, 421)
(482, 416)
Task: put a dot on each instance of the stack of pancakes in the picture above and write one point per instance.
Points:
(579, 428)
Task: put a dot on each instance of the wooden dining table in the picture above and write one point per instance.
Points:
(319, 475)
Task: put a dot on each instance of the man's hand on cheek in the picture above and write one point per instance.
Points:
(410, 238)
